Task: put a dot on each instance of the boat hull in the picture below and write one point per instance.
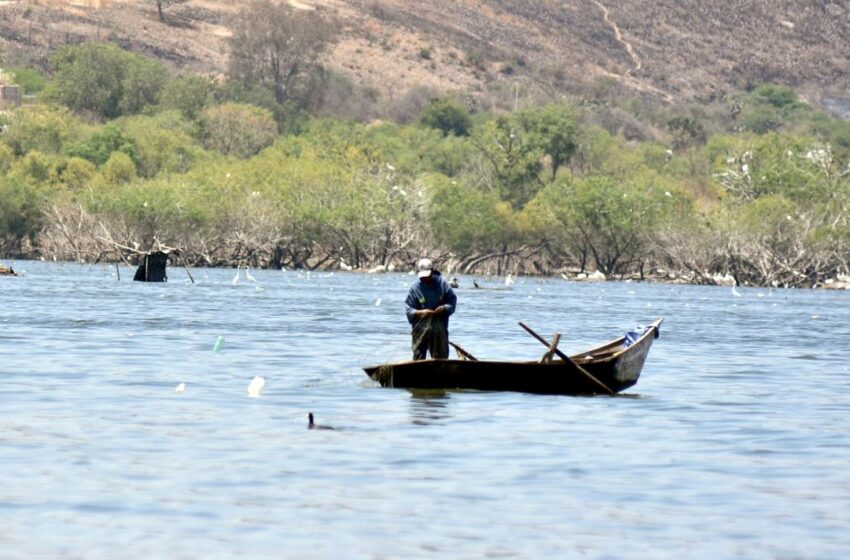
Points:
(615, 366)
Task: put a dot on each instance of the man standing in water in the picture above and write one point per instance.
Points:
(429, 304)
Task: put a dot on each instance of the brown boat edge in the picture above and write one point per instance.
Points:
(612, 365)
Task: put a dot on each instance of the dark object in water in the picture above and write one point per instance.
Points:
(152, 267)
(7, 271)
(313, 426)
(617, 366)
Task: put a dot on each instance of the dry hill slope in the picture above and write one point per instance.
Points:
(667, 49)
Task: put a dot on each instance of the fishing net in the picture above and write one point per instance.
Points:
(430, 336)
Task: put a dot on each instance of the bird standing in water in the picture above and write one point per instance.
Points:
(311, 425)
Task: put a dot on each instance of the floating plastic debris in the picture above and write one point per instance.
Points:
(219, 344)
(255, 387)
(180, 388)
(378, 302)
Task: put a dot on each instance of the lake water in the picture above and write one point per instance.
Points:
(735, 443)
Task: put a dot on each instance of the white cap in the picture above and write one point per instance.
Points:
(424, 268)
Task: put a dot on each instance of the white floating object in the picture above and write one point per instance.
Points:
(219, 344)
(180, 388)
(735, 292)
(378, 302)
(255, 387)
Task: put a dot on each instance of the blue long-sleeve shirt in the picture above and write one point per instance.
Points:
(425, 296)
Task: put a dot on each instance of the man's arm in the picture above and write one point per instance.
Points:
(449, 299)
(413, 307)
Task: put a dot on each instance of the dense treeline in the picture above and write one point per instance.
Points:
(117, 150)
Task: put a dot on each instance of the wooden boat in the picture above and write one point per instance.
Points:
(609, 368)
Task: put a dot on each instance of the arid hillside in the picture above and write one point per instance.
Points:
(665, 49)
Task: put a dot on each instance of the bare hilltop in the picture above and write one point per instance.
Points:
(664, 49)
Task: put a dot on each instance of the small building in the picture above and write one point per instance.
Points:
(10, 94)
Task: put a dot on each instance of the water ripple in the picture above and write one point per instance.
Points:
(107, 459)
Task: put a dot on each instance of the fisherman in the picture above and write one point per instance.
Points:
(429, 303)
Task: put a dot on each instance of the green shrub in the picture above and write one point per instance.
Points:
(445, 115)
(104, 80)
(236, 129)
(39, 127)
(119, 169)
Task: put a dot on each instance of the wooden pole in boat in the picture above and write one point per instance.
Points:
(547, 357)
(463, 352)
(567, 359)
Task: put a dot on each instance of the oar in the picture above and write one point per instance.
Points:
(567, 358)
(463, 352)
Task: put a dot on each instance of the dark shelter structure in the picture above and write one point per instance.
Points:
(152, 267)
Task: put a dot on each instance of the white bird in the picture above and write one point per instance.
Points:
(235, 278)
(509, 280)
(735, 292)
(255, 387)
(180, 388)
(248, 275)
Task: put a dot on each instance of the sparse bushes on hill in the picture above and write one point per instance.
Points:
(274, 44)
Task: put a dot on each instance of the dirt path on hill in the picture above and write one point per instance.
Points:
(636, 61)
(619, 37)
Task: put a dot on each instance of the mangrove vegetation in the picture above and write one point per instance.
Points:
(270, 168)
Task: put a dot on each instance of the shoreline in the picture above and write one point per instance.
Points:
(840, 282)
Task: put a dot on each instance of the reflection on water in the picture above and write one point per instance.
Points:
(100, 458)
(429, 407)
